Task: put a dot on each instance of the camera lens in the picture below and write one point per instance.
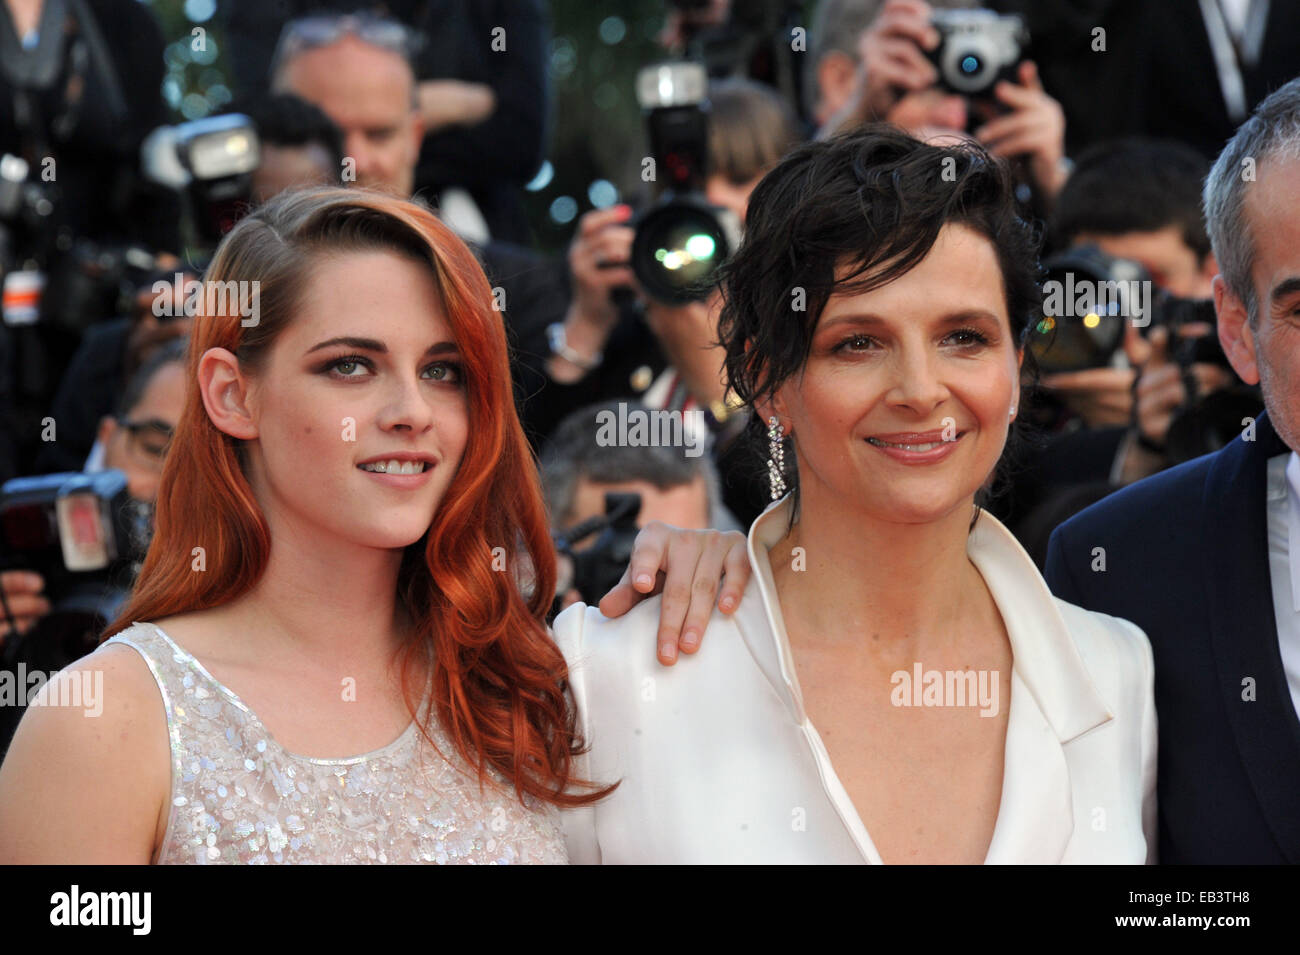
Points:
(969, 66)
(677, 251)
(1072, 343)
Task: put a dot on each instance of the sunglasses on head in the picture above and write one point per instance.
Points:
(321, 30)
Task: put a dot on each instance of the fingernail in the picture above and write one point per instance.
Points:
(667, 652)
(643, 580)
(727, 603)
(690, 640)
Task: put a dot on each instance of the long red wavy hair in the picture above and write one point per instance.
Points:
(499, 681)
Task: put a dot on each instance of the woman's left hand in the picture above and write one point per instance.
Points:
(687, 567)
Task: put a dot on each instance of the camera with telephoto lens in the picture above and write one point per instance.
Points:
(598, 567)
(681, 239)
(1089, 297)
(977, 48)
(87, 537)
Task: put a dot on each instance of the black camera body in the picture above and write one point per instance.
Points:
(211, 161)
(86, 536)
(977, 48)
(598, 567)
(1100, 293)
(1091, 331)
(681, 239)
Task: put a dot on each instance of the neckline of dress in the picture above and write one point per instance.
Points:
(834, 788)
(234, 698)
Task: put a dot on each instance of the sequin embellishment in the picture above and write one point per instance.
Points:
(239, 797)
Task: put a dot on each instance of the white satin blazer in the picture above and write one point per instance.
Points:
(720, 764)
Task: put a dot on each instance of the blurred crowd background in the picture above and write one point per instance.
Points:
(598, 158)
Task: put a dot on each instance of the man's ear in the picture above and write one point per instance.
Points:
(224, 390)
(836, 74)
(1235, 334)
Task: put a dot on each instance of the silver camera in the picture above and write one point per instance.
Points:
(976, 49)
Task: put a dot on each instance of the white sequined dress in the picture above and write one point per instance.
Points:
(238, 796)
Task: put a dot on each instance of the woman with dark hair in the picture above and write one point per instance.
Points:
(351, 556)
(874, 320)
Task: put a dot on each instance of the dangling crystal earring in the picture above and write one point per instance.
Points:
(775, 457)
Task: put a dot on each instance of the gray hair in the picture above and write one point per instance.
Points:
(572, 453)
(1273, 132)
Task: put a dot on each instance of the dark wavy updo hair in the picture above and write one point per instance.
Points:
(868, 204)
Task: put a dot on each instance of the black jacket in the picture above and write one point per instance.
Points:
(1186, 559)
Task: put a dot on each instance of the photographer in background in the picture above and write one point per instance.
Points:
(134, 440)
(867, 63)
(1105, 427)
(109, 355)
(619, 341)
(578, 471)
(611, 348)
(79, 91)
(1140, 200)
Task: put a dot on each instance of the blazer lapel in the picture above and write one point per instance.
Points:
(759, 614)
(1243, 629)
(1036, 814)
(1053, 700)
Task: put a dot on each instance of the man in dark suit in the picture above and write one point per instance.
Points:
(1200, 556)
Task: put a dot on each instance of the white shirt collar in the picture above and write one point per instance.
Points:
(1044, 654)
(1292, 491)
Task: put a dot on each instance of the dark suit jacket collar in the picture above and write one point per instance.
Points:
(1243, 629)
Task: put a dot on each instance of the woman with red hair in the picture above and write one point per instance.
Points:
(350, 550)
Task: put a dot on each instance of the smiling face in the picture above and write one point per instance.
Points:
(391, 387)
(927, 361)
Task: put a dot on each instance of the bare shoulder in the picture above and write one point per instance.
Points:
(88, 775)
